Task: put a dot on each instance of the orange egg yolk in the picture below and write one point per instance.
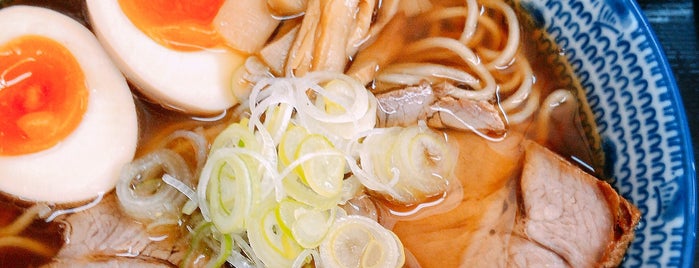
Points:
(43, 95)
(183, 25)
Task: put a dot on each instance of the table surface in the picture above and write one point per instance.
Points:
(676, 27)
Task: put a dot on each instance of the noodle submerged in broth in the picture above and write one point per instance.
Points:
(391, 126)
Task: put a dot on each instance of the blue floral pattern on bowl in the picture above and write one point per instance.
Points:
(639, 115)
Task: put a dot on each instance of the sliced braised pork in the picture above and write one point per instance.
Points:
(111, 262)
(466, 114)
(524, 253)
(103, 236)
(573, 214)
(542, 212)
(405, 107)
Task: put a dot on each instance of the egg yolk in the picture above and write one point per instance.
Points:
(183, 25)
(43, 95)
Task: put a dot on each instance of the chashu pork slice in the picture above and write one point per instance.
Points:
(574, 215)
(524, 253)
(103, 236)
(433, 104)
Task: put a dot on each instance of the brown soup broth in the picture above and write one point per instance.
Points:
(47, 233)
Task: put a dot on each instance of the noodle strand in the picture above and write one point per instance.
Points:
(24, 220)
(27, 244)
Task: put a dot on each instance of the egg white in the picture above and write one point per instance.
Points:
(88, 161)
(197, 82)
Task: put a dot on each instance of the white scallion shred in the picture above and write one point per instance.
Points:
(180, 186)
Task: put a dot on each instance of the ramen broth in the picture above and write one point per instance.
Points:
(50, 234)
(565, 135)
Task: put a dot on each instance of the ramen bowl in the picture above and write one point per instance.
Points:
(606, 54)
(636, 106)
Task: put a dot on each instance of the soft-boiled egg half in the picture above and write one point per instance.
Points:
(170, 50)
(67, 118)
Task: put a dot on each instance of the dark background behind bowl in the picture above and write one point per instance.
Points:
(677, 27)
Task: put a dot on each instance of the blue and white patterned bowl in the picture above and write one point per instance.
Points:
(636, 105)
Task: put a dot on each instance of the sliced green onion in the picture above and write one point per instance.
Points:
(306, 224)
(273, 246)
(225, 191)
(305, 257)
(160, 201)
(289, 142)
(356, 241)
(225, 248)
(342, 109)
(277, 119)
(236, 135)
(302, 146)
(198, 141)
(415, 163)
(298, 190)
(323, 174)
(201, 233)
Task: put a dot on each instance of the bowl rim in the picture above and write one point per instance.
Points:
(689, 243)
